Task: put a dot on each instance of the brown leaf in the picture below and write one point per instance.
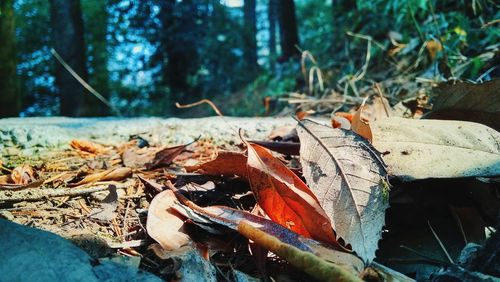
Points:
(360, 126)
(164, 225)
(87, 148)
(286, 148)
(466, 101)
(115, 174)
(151, 158)
(226, 163)
(348, 177)
(285, 197)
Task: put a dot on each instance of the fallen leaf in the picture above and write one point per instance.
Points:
(115, 174)
(108, 206)
(150, 158)
(23, 174)
(87, 148)
(226, 163)
(163, 225)
(313, 265)
(346, 175)
(340, 122)
(360, 126)
(466, 101)
(285, 197)
(419, 149)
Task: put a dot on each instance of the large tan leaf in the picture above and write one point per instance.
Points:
(418, 149)
(163, 225)
(348, 178)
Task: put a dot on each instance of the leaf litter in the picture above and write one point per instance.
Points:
(331, 224)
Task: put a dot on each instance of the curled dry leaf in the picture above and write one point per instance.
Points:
(360, 126)
(150, 158)
(348, 178)
(87, 148)
(115, 174)
(163, 225)
(23, 174)
(226, 163)
(285, 197)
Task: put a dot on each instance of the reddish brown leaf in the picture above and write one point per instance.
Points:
(150, 158)
(286, 148)
(227, 164)
(285, 197)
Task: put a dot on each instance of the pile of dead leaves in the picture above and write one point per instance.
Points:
(317, 196)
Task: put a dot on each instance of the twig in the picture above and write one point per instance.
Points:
(83, 83)
(381, 94)
(440, 243)
(40, 194)
(214, 107)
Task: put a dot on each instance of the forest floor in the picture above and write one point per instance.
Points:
(118, 188)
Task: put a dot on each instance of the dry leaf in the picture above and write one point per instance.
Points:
(115, 174)
(285, 197)
(360, 126)
(470, 102)
(419, 149)
(286, 148)
(87, 148)
(23, 174)
(226, 163)
(348, 178)
(108, 206)
(163, 225)
(150, 158)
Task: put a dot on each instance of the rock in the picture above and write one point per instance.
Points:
(33, 135)
(30, 254)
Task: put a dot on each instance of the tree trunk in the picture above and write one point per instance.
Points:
(271, 14)
(250, 35)
(288, 29)
(67, 40)
(179, 42)
(96, 23)
(10, 101)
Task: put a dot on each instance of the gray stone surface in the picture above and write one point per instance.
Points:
(40, 133)
(29, 254)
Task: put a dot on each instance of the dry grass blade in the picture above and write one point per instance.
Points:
(202, 101)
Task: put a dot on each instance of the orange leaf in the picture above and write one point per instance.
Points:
(116, 174)
(360, 126)
(285, 197)
(86, 147)
(226, 163)
(23, 174)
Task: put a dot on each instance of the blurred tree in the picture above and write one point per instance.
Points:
(250, 47)
(9, 95)
(272, 18)
(289, 36)
(68, 41)
(95, 17)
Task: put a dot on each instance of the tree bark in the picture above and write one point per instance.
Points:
(67, 40)
(251, 35)
(10, 101)
(288, 29)
(271, 14)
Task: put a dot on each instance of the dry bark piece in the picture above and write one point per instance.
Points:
(419, 149)
(347, 176)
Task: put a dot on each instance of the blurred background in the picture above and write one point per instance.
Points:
(143, 56)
